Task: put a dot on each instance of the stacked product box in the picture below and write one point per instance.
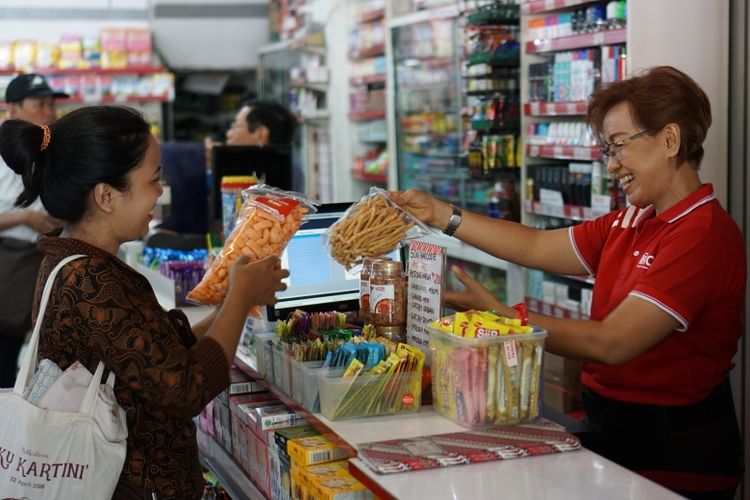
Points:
(280, 462)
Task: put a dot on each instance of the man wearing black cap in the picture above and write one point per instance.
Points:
(29, 98)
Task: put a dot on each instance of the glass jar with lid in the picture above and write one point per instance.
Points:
(364, 286)
(387, 294)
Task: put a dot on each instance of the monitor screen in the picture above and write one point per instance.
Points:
(315, 279)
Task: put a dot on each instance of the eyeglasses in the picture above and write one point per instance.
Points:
(615, 148)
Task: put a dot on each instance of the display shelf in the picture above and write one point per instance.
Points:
(488, 125)
(317, 87)
(494, 58)
(583, 279)
(571, 212)
(460, 250)
(541, 307)
(542, 108)
(540, 6)
(222, 464)
(247, 364)
(135, 70)
(373, 178)
(368, 79)
(583, 153)
(489, 16)
(109, 100)
(373, 15)
(609, 37)
(374, 51)
(366, 116)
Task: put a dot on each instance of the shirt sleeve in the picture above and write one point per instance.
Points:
(680, 276)
(588, 240)
(152, 351)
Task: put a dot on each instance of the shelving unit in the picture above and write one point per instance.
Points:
(367, 95)
(295, 74)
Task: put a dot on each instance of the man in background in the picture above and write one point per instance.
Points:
(31, 99)
(262, 123)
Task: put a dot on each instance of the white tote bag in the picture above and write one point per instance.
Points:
(48, 454)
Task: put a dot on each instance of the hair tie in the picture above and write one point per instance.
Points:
(46, 138)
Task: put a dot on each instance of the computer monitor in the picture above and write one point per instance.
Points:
(271, 163)
(317, 282)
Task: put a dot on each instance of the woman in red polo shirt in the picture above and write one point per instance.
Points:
(669, 295)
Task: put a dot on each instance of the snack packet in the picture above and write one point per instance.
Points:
(373, 226)
(268, 219)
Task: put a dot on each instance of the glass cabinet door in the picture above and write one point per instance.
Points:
(427, 107)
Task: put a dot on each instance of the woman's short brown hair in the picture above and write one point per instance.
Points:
(656, 97)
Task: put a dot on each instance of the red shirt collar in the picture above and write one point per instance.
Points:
(687, 205)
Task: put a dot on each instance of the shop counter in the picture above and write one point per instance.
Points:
(572, 475)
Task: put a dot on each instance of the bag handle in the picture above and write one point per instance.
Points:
(29, 364)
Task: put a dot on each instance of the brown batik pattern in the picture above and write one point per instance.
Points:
(101, 309)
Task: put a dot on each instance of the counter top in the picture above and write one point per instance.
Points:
(571, 475)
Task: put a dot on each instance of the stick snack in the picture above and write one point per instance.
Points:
(268, 219)
(371, 227)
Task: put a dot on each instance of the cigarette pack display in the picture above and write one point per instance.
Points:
(262, 342)
(489, 380)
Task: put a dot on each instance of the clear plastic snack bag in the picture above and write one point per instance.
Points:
(373, 226)
(267, 220)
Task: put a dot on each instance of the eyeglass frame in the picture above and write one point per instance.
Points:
(617, 146)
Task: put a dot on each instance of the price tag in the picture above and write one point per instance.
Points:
(549, 4)
(426, 268)
(598, 38)
(535, 107)
(558, 151)
(571, 108)
(581, 153)
(600, 204)
(551, 198)
(533, 150)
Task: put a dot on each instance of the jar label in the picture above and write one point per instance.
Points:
(364, 295)
(382, 299)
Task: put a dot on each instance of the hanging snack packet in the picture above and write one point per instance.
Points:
(268, 219)
(373, 226)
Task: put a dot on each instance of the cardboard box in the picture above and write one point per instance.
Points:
(314, 450)
(562, 371)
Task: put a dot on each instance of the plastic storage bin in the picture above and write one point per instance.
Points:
(305, 384)
(478, 382)
(363, 396)
(260, 344)
(286, 374)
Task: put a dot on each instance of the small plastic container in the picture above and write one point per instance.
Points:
(480, 382)
(363, 396)
(305, 384)
(286, 374)
(260, 340)
(277, 368)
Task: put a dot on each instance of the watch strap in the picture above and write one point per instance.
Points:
(454, 221)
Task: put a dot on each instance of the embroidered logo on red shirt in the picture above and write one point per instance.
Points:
(646, 261)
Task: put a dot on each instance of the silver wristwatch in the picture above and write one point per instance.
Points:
(454, 221)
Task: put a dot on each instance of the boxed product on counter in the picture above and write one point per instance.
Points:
(485, 371)
(279, 460)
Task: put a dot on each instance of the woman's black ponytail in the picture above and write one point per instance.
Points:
(20, 148)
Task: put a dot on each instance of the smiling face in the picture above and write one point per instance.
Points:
(642, 165)
(134, 208)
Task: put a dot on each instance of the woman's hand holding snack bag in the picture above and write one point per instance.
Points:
(257, 281)
(268, 219)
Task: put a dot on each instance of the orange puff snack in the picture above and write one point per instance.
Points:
(267, 221)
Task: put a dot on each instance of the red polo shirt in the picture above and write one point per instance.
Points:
(690, 262)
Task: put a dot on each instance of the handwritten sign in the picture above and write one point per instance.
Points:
(425, 293)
